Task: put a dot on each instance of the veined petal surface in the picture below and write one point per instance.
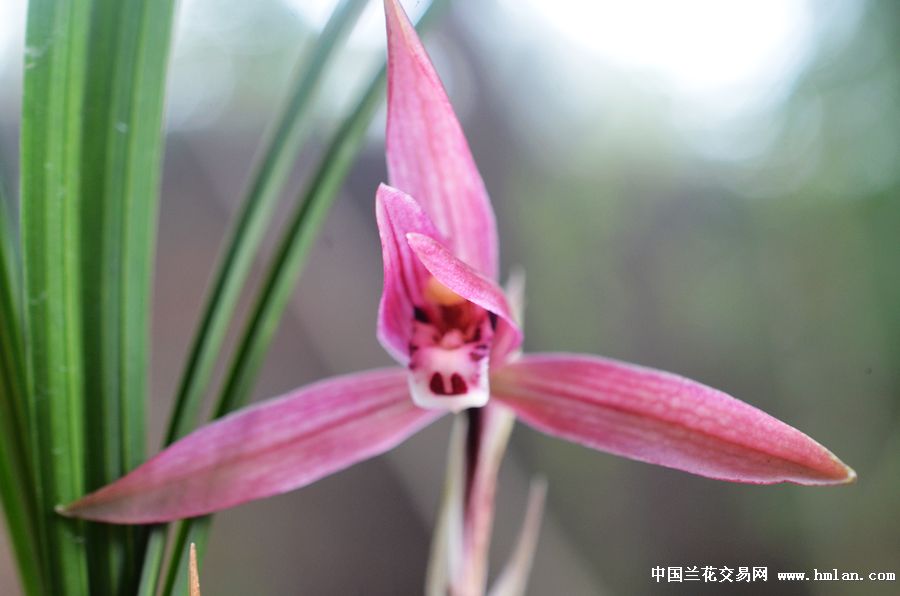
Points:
(427, 153)
(263, 450)
(661, 418)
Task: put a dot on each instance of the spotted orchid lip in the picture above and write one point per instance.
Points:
(438, 315)
(449, 355)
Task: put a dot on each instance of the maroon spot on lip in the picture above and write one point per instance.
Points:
(458, 385)
(420, 315)
(492, 317)
(437, 384)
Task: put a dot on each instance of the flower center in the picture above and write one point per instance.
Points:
(449, 350)
(438, 293)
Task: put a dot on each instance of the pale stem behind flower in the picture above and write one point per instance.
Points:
(462, 536)
(486, 439)
(447, 539)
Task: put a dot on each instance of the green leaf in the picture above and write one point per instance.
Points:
(280, 280)
(153, 561)
(280, 150)
(189, 531)
(283, 144)
(16, 485)
(277, 289)
(127, 59)
(52, 132)
(298, 238)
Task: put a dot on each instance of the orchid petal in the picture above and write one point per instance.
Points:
(462, 279)
(264, 450)
(397, 214)
(427, 153)
(661, 418)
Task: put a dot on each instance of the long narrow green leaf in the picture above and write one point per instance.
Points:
(280, 152)
(197, 531)
(129, 46)
(52, 130)
(278, 287)
(11, 319)
(296, 241)
(153, 561)
(16, 485)
(294, 248)
(280, 280)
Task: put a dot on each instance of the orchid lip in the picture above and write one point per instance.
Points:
(449, 351)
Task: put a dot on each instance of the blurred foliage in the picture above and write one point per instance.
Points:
(774, 278)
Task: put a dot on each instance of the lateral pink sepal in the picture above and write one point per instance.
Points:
(661, 418)
(264, 450)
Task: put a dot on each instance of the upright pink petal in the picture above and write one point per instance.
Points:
(404, 275)
(661, 418)
(264, 450)
(427, 153)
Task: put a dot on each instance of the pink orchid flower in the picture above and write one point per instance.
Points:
(451, 328)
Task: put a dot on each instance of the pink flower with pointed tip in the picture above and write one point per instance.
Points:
(451, 328)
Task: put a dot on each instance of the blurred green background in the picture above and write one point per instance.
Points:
(711, 188)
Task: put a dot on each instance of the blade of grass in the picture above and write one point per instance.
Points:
(278, 286)
(153, 561)
(283, 273)
(280, 150)
(127, 59)
(16, 485)
(11, 346)
(284, 142)
(280, 280)
(52, 129)
(187, 532)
